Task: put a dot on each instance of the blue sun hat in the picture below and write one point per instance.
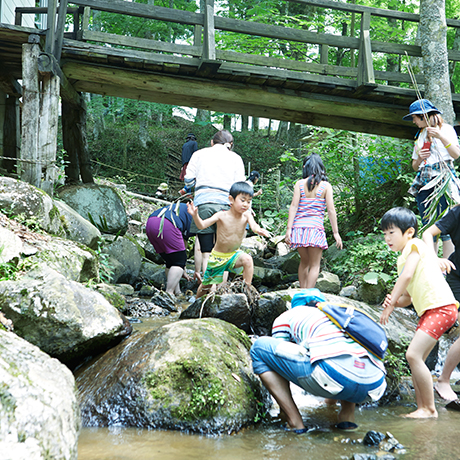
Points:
(309, 297)
(420, 106)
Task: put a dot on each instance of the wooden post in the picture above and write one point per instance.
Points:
(209, 45)
(60, 29)
(324, 54)
(75, 143)
(48, 128)
(365, 66)
(30, 171)
(11, 133)
(51, 30)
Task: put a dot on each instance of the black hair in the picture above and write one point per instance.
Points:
(241, 188)
(253, 176)
(401, 218)
(313, 169)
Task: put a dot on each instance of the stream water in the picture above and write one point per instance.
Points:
(422, 439)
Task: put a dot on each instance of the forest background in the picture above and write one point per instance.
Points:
(139, 143)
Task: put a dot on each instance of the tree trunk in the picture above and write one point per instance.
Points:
(282, 130)
(255, 124)
(433, 33)
(227, 122)
(202, 115)
(75, 143)
(244, 123)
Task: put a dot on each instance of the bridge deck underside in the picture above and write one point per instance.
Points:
(319, 100)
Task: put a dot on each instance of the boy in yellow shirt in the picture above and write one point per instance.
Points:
(420, 282)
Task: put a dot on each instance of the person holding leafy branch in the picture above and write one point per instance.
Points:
(305, 227)
(167, 229)
(436, 147)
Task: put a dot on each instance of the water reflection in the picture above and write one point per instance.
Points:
(423, 439)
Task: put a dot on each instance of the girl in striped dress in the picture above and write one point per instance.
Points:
(305, 228)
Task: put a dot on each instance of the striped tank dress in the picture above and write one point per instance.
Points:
(308, 226)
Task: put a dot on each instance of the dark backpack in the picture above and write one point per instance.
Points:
(358, 325)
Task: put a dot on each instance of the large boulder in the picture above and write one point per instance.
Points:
(100, 204)
(189, 375)
(267, 276)
(328, 282)
(269, 307)
(39, 413)
(62, 317)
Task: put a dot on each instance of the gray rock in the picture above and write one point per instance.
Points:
(164, 300)
(39, 413)
(30, 205)
(253, 245)
(76, 227)
(328, 282)
(127, 254)
(269, 307)
(193, 375)
(99, 203)
(349, 291)
(63, 318)
(135, 214)
(267, 276)
(11, 246)
(372, 294)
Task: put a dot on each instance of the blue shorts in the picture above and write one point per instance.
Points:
(346, 377)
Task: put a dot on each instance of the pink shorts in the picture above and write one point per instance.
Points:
(438, 320)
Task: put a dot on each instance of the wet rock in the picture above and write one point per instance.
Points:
(232, 308)
(139, 308)
(191, 375)
(11, 245)
(39, 414)
(373, 438)
(62, 317)
(365, 457)
(267, 276)
(164, 300)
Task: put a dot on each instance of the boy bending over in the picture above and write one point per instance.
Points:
(420, 282)
(231, 229)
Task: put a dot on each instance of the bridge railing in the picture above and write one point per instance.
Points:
(207, 25)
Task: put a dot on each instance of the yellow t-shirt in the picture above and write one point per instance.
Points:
(428, 288)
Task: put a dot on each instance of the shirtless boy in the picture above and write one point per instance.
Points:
(231, 229)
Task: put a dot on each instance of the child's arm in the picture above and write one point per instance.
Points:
(399, 296)
(329, 196)
(292, 211)
(199, 222)
(255, 227)
(445, 264)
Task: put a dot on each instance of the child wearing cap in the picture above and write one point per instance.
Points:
(436, 146)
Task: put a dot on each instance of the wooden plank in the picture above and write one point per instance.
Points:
(365, 64)
(143, 43)
(10, 85)
(143, 11)
(185, 88)
(284, 33)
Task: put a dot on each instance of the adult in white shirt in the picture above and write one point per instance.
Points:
(212, 171)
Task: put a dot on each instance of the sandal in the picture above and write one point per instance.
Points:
(346, 426)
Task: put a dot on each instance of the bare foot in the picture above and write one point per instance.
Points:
(421, 413)
(445, 391)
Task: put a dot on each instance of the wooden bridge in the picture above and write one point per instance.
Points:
(199, 74)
